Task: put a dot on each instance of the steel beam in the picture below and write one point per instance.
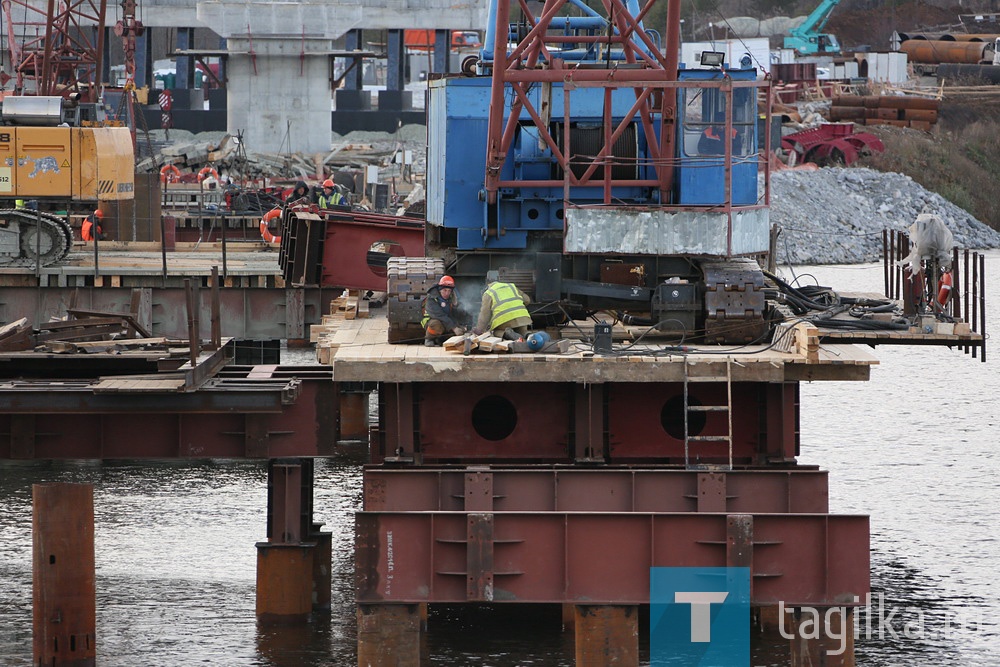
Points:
(388, 635)
(799, 490)
(606, 635)
(245, 312)
(211, 423)
(604, 558)
(65, 593)
(563, 422)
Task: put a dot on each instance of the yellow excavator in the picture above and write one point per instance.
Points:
(56, 159)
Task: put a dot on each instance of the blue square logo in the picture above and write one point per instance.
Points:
(699, 616)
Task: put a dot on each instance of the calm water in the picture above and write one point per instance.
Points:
(915, 448)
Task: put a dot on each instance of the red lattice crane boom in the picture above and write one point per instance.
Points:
(55, 47)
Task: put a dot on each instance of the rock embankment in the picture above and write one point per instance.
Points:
(836, 216)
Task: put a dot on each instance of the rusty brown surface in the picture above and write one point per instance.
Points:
(64, 590)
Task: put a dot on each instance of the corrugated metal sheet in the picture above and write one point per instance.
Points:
(665, 232)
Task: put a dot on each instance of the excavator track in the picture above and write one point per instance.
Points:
(32, 238)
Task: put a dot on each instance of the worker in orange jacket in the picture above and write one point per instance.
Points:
(711, 141)
(87, 230)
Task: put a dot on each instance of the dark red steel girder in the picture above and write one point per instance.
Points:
(56, 47)
(565, 422)
(610, 489)
(227, 423)
(604, 558)
(347, 251)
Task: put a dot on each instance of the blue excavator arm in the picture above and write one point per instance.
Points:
(808, 38)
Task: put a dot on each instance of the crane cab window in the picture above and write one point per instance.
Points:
(704, 122)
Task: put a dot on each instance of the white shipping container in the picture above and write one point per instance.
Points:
(735, 49)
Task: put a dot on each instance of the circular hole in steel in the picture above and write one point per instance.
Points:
(378, 256)
(494, 418)
(533, 214)
(559, 214)
(672, 418)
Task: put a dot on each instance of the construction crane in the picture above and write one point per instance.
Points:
(808, 37)
(59, 155)
(55, 48)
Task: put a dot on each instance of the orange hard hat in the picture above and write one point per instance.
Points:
(98, 213)
(328, 183)
(446, 281)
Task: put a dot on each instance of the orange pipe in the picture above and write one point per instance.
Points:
(934, 52)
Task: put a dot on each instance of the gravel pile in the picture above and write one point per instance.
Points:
(836, 216)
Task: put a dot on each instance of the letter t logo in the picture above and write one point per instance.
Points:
(701, 611)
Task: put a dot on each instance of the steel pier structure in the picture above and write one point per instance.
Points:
(534, 479)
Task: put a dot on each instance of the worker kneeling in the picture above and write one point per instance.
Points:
(440, 308)
(91, 227)
(503, 308)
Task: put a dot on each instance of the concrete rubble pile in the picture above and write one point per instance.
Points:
(836, 216)
(189, 153)
(829, 216)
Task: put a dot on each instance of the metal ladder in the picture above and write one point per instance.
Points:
(689, 439)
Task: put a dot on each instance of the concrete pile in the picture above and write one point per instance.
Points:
(836, 216)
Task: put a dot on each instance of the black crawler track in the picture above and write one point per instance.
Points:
(42, 238)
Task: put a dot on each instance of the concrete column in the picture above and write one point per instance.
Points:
(279, 93)
(64, 593)
(388, 635)
(607, 635)
(185, 64)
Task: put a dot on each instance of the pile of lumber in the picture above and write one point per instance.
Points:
(350, 305)
(483, 342)
(84, 331)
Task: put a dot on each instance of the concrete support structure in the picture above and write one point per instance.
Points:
(64, 592)
(607, 635)
(279, 93)
(389, 635)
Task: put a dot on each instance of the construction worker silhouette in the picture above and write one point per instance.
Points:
(711, 142)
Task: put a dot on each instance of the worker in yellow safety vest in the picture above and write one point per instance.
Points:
(503, 308)
(329, 197)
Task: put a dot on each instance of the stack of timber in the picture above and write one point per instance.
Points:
(81, 331)
(920, 113)
(350, 305)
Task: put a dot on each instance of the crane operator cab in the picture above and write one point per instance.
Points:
(712, 122)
